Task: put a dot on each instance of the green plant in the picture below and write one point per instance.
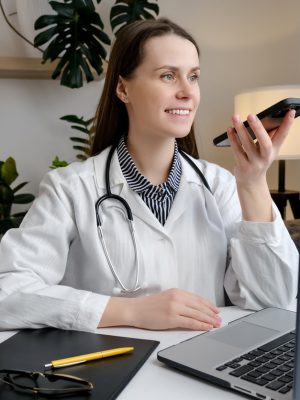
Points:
(76, 35)
(57, 163)
(82, 143)
(8, 196)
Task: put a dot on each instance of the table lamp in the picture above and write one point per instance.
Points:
(258, 99)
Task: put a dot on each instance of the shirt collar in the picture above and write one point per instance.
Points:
(137, 181)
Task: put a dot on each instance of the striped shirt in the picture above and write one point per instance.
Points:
(158, 198)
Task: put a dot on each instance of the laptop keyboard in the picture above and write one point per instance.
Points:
(270, 365)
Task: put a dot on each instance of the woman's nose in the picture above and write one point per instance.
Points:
(184, 89)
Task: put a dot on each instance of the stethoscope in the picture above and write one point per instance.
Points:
(110, 195)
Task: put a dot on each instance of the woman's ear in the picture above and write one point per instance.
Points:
(121, 91)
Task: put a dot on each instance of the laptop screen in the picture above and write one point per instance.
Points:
(296, 393)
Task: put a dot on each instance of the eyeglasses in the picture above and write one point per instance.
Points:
(18, 380)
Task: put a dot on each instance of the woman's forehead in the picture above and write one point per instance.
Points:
(170, 50)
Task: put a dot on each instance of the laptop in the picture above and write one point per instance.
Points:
(258, 355)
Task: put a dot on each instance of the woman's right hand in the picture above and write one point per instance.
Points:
(171, 309)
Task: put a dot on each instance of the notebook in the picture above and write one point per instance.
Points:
(33, 348)
(258, 355)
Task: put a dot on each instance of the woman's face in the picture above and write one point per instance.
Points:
(163, 95)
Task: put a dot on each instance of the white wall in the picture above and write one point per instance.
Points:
(244, 44)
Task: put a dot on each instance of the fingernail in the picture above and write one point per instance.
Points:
(292, 113)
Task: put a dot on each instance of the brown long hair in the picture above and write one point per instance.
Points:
(127, 53)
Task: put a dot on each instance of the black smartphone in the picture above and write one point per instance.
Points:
(271, 118)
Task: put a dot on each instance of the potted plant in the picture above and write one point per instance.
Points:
(75, 35)
(8, 196)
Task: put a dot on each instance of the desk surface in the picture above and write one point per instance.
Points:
(157, 381)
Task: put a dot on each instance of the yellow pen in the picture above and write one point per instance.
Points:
(66, 362)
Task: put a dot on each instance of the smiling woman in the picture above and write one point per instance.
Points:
(138, 61)
(161, 99)
(191, 229)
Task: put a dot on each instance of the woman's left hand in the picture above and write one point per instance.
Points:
(252, 160)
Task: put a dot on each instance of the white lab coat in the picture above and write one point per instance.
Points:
(53, 271)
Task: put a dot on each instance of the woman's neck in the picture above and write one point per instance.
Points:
(152, 156)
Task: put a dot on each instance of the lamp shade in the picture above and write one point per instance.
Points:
(258, 99)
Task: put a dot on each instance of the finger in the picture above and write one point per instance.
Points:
(200, 311)
(263, 138)
(239, 153)
(243, 135)
(201, 316)
(284, 128)
(193, 324)
(272, 133)
(200, 303)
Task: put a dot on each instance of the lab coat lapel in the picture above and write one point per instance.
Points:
(182, 198)
(141, 210)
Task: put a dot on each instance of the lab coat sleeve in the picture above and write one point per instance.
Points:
(264, 265)
(262, 258)
(32, 264)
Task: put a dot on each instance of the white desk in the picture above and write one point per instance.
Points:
(157, 381)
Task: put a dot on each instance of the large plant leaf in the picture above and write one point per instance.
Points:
(64, 9)
(19, 187)
(79, 128)
(127, 11)
(24, 198)
(8, 171)
(54, 50)
(72, 73)
(19, 214)
(85, 150)
(80, 140)
(45, 36)
(74, 34)
(81, 157)
(74, 119)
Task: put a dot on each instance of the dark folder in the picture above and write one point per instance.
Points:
(33, 348)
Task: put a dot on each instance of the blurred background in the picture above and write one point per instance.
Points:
(244, 44)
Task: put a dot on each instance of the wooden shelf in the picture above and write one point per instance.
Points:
(31, 68)
(25, 68)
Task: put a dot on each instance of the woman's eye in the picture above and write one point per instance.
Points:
(194, 78)
(167, 77)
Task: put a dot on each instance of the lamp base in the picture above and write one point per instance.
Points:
(282, 197)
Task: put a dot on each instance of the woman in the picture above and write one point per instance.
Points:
(190, 242)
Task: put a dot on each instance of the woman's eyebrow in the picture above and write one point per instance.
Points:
(172, 67)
